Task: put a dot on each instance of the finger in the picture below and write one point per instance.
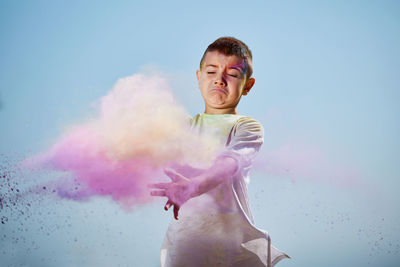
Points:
(159, 185)
(168, 205)
(176, 177)
(176, 211)
(158, 193)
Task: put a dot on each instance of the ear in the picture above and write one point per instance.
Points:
(247, 87)
(198, 74)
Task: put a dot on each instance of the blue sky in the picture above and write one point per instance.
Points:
(326, 79)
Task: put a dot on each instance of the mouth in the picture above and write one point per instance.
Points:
(219, 90)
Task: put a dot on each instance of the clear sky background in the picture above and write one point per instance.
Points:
(327, 92)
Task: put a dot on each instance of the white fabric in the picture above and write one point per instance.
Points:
(217, 228)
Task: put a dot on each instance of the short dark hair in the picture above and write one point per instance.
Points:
(231, 46)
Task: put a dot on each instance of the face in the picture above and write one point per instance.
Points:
(222, 82)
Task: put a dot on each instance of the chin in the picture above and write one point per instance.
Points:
(217, 104)
(217, 100)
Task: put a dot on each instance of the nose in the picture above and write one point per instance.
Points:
(220, 82)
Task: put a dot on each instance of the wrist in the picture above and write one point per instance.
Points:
(196, 185)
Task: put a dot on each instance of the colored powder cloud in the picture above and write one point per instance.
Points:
(298, 160)
(140, 129)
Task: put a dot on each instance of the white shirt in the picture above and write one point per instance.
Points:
(217, 227)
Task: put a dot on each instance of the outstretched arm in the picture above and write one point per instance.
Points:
(181, 188)
(243, 146)
(222, 169)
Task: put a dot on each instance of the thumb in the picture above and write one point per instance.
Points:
(175, 176)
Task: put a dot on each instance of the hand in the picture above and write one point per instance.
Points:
(176, 208)
(178, 191)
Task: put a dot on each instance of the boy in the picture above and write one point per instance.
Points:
(215, 226)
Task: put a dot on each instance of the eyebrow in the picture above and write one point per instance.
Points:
(236, 67)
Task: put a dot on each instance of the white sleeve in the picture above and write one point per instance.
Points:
(244, 142)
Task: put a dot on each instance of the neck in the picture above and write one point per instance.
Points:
(216, 111)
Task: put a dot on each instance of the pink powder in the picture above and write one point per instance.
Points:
(139, 130)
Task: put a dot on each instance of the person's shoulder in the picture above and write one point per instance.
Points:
(247, 123)
(194, 119)
(197, 116)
